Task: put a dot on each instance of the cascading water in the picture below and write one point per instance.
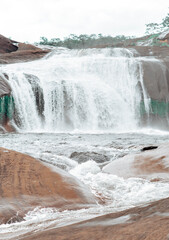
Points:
(86, 90)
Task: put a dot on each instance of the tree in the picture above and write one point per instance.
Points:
(165, 22)
(43, 40)
(153, 28)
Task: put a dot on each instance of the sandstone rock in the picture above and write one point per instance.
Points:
(152, 164)
(22, 56)
(7, 45)
(12, 51)
(26, 183)
(148, 223)
(25, 46)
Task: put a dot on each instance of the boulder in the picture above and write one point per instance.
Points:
(27, 183)
(82, 157)
(152, 165)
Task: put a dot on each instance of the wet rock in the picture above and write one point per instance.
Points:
(152, 164)
(156, 79)
(27, 183)
(148, 148)
(5, 88)
(82, 157)
(149, 223)
(38, 92)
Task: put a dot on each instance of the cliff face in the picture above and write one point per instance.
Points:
(155, 64)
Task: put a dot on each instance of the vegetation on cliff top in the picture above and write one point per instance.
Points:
(84, 41)
(153, 28)
(98, 40)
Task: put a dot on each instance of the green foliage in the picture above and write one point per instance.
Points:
(165, 22)
(84, 41)
(153, 28)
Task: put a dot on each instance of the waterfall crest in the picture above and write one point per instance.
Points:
(86, 90)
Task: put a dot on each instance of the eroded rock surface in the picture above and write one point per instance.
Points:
(7, 45)
(148, 223)
(26, 183)
(152, 164)
(13, 52)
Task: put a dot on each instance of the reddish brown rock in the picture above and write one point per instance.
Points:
(7, 45)
(148, 223)
(27, 183)
(13, 52)
(152, 164)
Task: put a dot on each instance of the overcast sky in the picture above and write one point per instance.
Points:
(27, 20)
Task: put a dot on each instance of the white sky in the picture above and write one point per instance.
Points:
(27, 20)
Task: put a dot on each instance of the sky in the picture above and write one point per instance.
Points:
(28, 20)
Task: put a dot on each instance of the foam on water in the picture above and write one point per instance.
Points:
(83, 90)
(117, 193)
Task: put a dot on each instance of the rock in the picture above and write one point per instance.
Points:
(149, 223)
(160, 52)
(22, 56)
(13, 52)
(7, 45)
(152, 164)
(38, 92)
(82, 157)
(5, 88)
(164, 35)
(26, 183)
(148, 148)
(28, 47)
(156, 79)
(6, 104)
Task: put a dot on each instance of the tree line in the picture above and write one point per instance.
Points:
(98, 40)
(84, 41)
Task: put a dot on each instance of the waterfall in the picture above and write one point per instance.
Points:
(86, 90)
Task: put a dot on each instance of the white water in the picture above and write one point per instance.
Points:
(86, 90)
(119, 193)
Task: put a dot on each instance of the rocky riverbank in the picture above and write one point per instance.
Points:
(27, 183)
(149, 223)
